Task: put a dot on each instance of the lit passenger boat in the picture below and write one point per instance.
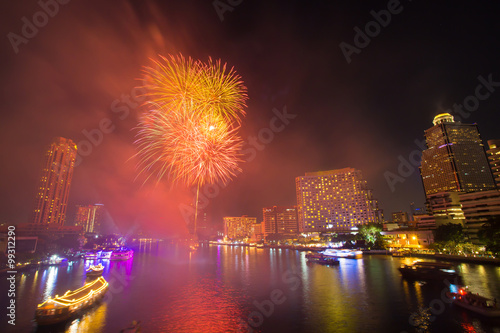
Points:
(105, 254)
(61, 308)
(343, 253)
(122, 254)
(92, 255)
(322, 259)
(54, 261)
(427, 270)
(475, 303)
(95, 270)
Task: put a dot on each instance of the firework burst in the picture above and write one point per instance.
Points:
(178, 83)
(188, 147)
(189, 133)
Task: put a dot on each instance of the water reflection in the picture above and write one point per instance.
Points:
(200, 306)
(220, 288)
(91, 321)
(49, 274)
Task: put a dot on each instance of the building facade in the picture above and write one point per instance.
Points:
(89, 217)
(478, 208)
(415, 239)
(239, 227)
(399, 217)
(280, 220)
(494, 158)
(455, 159)
(446, 208)
(335, 200)
(53, 190)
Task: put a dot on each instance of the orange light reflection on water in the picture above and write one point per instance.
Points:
(200, 307)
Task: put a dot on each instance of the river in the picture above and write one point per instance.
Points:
(245, 289)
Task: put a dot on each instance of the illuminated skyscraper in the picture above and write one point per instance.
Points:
(455, 159)
(494, 157)
(280, 220)
(89, 217)
(239, 227)
(53, 191)
(336, 200)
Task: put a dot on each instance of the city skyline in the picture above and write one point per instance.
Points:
(313, 105)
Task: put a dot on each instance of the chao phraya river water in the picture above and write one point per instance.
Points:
(245, 289)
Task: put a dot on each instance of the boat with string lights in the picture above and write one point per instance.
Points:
(92, 255)
(95, 271)
(61, 308)
(122, 254)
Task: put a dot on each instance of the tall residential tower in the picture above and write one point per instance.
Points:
(53, 190)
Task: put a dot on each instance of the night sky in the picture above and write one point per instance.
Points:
(83, 63)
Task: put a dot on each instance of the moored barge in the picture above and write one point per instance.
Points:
(61, 308)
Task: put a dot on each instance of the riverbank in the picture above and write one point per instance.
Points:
(445, 257)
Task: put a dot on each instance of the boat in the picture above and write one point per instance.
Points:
(135, 326)
(54, 261)
(61, 308)
(343, 253)
(105, 254)
(475, 303)
(92, 255)
(400, 253)
(427, 270)
(321, 258)
(122, 254)
(95, 270)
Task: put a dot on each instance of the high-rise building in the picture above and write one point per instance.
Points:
(239, 227)
(89, 217)
(53, 190)
(280, 220)
(494, 157)
(399, 217)
(335, 200)
(455, 158)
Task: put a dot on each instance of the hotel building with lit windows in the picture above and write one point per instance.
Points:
(335, 201)
(51, 200)
(239, 227)
(280, 220)
(494, 158)
(455, 159)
